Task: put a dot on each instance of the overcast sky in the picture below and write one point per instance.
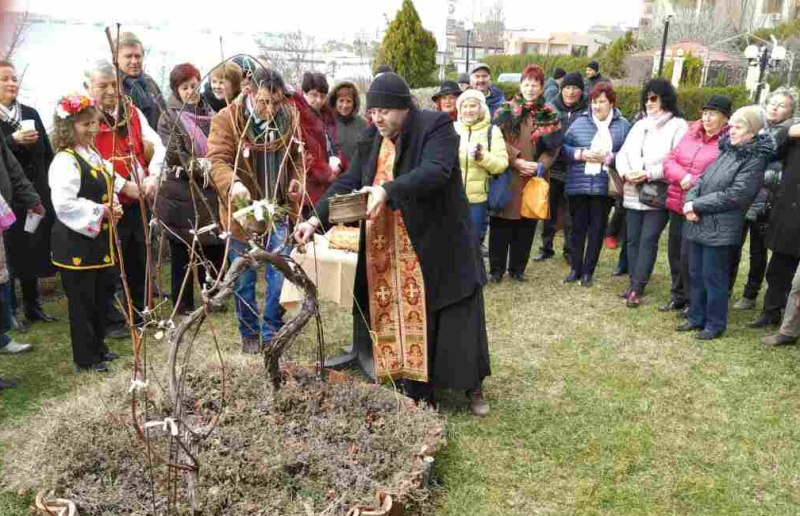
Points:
(338, 19)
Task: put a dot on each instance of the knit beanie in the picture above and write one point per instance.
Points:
(389, 91)
(475, 95)
(559, 73)
(573, 79)
(594, 65)
(752, 116)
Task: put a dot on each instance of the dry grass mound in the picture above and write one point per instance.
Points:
(311, 448)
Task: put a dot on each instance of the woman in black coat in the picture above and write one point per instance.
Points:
(186, 198)
(715, 209)
(28, 254)
(783, 230)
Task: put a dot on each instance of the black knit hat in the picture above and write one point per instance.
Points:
(389, 91)
(447, 88)
(721, 103)
(572, 79)
(594, 65)
(463, 78)
(559, 73)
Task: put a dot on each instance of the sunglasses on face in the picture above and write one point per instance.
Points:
(652, 98)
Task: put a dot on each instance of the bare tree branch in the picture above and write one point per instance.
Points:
(15, 26)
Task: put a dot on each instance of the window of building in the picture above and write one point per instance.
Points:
(773, 6)
(530, 48)
(580, 50)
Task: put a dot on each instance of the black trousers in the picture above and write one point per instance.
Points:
(133, 250)
(30, 294)
(558, 199)
(644, 230)
(780, 273)
(88, 293)
(758, 258)
(617, 225)
(589, 215)
(179, 262)
(678, 252)
(510, 243)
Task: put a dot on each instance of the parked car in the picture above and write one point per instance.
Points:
(509, 77)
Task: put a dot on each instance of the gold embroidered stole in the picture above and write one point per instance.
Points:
(396, 290)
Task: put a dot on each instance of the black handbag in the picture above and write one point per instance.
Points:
(653, 194)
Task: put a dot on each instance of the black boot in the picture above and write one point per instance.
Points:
(572, 277)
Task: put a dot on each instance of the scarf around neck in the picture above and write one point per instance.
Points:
(12, 116)
(601, 142)
(511, 115)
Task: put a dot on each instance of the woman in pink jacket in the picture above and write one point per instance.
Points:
(682, 169)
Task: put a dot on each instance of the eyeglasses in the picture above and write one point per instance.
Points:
(652, 98)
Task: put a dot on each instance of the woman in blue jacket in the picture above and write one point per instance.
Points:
(590, 146)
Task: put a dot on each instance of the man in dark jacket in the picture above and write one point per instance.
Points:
(136, 84)
(552, 86)
(481, 80)
(783, 231)
(420, 278)
(570, 103)
(593, 76)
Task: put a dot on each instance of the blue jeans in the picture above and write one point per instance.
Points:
(709, 270)
(245, 292)
(479, 214)
(5, 313)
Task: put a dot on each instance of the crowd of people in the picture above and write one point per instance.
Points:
(122, 153)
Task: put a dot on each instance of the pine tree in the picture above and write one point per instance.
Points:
(408, 48)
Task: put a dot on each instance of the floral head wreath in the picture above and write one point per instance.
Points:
(72, 105)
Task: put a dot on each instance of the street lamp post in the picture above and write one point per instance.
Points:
(469, 26)
(765, 57)
(664, 45)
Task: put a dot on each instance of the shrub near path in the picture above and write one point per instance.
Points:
(596, 409)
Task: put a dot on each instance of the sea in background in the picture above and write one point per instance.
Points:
(55, 54)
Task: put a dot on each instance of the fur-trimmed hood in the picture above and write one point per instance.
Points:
(762, 145)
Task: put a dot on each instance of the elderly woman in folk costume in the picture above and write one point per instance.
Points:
(83, 188)
(532, 131)
(420, 278)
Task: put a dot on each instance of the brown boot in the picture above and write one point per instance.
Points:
(778, 339)
(479, 406)
(251, 345)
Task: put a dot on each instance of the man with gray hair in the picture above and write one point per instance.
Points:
(140, 87)
(136, 151)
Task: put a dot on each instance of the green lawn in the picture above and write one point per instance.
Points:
(596, 409)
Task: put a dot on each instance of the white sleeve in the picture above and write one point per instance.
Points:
(77, 213)
(159, 150)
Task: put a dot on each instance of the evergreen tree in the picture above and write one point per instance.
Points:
(408, 48)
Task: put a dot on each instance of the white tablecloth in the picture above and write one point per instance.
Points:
(333, 272)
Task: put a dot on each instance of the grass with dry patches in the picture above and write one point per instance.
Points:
(596, 409)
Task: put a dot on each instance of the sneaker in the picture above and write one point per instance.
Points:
(251, 345)
(745, 304)
(778, 339)
(14, 348)
(479, 406)
(542, 255)
(611, 242)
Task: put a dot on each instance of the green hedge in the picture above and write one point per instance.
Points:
(690, 99)
(515, 63)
